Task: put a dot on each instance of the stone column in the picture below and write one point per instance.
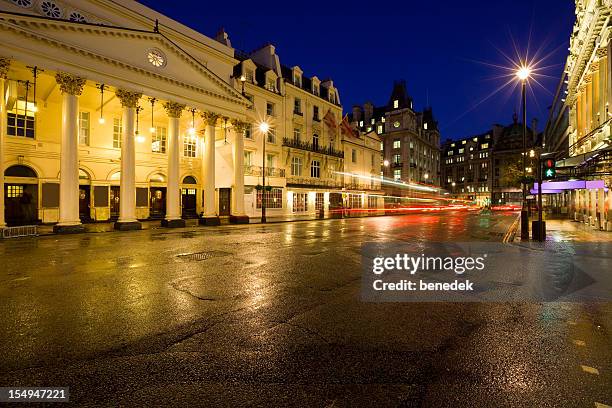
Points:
(71, 87)
(4, 67)
(127, 201)
(173, 199)
(238, 214)
(208, 169)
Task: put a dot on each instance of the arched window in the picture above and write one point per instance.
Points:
(83, 175)
(19, 171)
(157, 178)
(189, 180)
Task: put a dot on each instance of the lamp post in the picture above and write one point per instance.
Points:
(264, 127)
(523, 74)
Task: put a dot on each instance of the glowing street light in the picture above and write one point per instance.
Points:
(523, 73)
(386, 163)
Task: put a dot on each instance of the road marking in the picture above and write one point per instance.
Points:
(590, 370)
(600, 405)
(579, 343)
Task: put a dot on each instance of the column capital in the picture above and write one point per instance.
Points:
(128, 99)
(174, 109)
(70, 84)
(210, 117)
(5, 63)
(239, 126)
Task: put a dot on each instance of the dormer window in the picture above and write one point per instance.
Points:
(271, 85)
(249, 75)
(297, 80)
(396, 104)
(315, 89)
(332, 96)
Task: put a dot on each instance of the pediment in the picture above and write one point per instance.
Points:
(149, 54)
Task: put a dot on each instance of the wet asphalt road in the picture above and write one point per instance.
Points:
(271, 316)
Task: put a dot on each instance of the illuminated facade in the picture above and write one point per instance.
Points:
(114, 112)
(579, 130)
(410, 140)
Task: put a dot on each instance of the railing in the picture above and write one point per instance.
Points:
(270, 171)
(595, 136)
(20, 231)
(297, 144)
(314, 182)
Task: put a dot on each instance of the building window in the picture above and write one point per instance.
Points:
(159, 139)
(361, 123)
(189, 146)
(315, 89)
(273, 198)
(397, 174)
(300, 202)
(315, 141)
(315, 113)
(297, 106)
(397, 159)
(332, 96)
(271, 135)
(382, 146)
(20, 121)
(117, 131)
(354, 156)
(248, 74)
(397, 144)
(396, 124)
(297, 135)
(319, 202)
(396, 104)
(271, 85)
(248, 132)
(297, 80)
(13, 191)
(296, 166)
(269, 109)
(315, 169)
(372, 202)
(425, 125)
(379, 129)
(270, 161)
(484, 146)
(248, 158)
(354, 201)
(84, 128)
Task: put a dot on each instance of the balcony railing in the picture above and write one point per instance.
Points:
(298, 144)
(270, 171)
(314, 182)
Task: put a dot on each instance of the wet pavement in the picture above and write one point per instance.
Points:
(270, 315)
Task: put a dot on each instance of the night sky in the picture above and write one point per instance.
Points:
(441, 48)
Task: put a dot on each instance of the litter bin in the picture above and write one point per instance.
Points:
(536, 231)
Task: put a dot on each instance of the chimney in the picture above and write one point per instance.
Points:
(368, 111)
(356, 113)
(223, 37)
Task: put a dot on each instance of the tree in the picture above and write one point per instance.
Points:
(512, 175)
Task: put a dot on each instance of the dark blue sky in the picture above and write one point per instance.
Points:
(438, 47)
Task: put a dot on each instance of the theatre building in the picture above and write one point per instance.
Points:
(112, 112)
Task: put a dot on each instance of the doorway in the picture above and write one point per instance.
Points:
(84, 204)
(20, 202)
(224, 201)
(188, 199)
(157, 208)
(114, 202)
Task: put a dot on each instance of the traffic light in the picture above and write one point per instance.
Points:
(549, 169)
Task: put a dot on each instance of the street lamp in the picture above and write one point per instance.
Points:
(264, 127)
(523, 74)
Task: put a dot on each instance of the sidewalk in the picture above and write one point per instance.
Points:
(564, 230)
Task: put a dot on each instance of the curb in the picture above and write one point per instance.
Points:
(511, 233)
